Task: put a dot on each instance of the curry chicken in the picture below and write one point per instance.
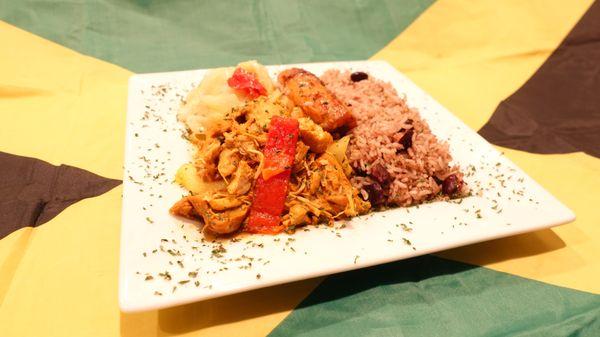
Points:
(269, 158)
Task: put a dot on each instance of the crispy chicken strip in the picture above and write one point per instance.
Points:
(308, 92)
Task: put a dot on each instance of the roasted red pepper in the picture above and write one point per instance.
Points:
(246, 83)
(272, 185)
(268, 204)
(281, 146)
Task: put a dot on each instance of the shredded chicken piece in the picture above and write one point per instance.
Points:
(229, 159)
(221, 204)
(328, 183)
(314, 136)
(218, 222)
(301, 151)
(242, 179)
(206, 163)
(298, 215)
(315, 182)
(261, 162)
(184, 208)
(314, 208)
(340, 200)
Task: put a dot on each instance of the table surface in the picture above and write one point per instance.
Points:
(523, 73)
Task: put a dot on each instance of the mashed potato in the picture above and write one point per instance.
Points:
(212, 99)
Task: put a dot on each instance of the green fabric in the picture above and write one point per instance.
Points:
(429, 296)
(147, 36)
(425, 296)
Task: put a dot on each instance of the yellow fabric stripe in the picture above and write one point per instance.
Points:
(61, 279)
(60, 106)
(565, 255)
(470, 55)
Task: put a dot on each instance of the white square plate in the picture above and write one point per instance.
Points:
(165, 261)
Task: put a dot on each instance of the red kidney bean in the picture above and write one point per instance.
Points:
(451, 185)
(406, 139)
(358, 76)
(380, 173)
(376, 194)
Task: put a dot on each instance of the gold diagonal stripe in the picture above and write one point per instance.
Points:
(470, 56)
(60, 106)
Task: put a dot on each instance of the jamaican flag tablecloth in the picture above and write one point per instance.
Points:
(525, 74)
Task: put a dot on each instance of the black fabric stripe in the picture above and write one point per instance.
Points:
(558, 109)
(32, 191)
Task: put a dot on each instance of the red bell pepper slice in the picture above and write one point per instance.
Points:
(246, 83)
(281, 146)
(271, 188)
